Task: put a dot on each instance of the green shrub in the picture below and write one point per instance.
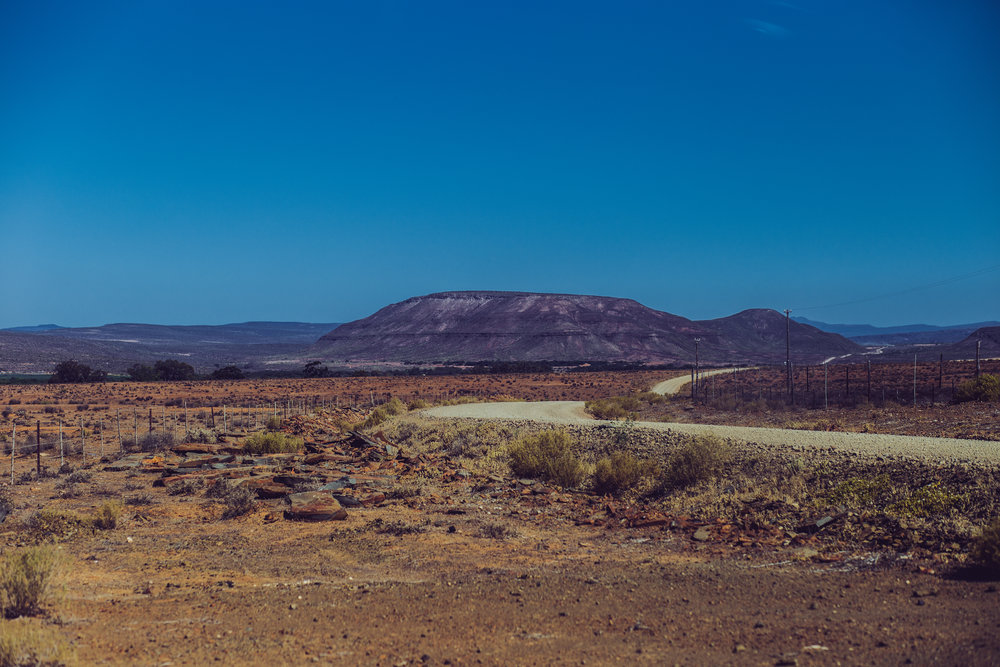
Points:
(27, 580)
(928, 500)
(273, 423)
(619, 472)
(549, 456)
(701, 458)
(986, 388)
(418, 404)
(24, 643)
(272, 442)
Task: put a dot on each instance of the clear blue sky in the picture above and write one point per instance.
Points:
(208, 162)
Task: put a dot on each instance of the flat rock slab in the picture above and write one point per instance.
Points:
(314, 506)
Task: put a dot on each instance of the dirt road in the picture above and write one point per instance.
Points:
(861, 444)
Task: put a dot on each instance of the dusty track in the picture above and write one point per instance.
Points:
(861, 444)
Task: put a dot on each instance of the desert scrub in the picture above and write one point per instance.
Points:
(202, 435)
(986, 548)
(620, 472)
(700, 459)
(23, 642)
(157, 441)
(496, 531)
(108, 515)
(272, 442)
(187, 487)
(929, 500)
(985, 388)
(273, 423)
(549, 455)
(28, 580)
(56, 525)
(862, 492)
(617, 407)
(237, 501)
(418, 404)
(380, 414)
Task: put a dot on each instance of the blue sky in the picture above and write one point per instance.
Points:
(209, 162)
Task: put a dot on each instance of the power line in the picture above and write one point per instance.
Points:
(909, 290)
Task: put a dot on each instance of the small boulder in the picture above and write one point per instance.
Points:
(314, 506)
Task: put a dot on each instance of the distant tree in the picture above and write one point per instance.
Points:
(227, 373)
(141, 373)
(315, 369)
(72, 371)
(171, 369)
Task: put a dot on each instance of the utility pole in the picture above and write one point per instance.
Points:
(697, 370)
(788, 354)
(826, 393)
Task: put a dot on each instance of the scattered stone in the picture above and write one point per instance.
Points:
(314, 506)
(702, 534)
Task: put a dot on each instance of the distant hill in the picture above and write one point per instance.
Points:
(524, 326)
(33, 329)
(907, 334)
(115, 347)
(966, 348)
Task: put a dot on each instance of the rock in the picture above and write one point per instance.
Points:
(804, 552)
(702, 534)
(314, 506)
(347, 501)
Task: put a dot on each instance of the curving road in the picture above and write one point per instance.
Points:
(862, 444)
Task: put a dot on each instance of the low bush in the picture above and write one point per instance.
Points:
(418, 404)
(618, 407)
(272, 442)
(986, 549)
(497, 531)
(397, 528)
(187, 487)
(548, 455)
(273, 423)
(23, 642)
(108, 514)
(619, 473)
(156, 441)
(238, 501)
(202, 435)
(700, 459)
(985, 388)
(27, 580)
(56, 525)
(394, 407)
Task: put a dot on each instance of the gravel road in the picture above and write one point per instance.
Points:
(941, 450)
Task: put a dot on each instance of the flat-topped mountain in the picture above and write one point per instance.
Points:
(524, 326)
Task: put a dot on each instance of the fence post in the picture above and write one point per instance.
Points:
(83, 442)
(101, 425)
(13, 448)
(38, 448)
(118, 423)
(61, 463)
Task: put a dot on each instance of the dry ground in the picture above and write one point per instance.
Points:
(483, 569)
